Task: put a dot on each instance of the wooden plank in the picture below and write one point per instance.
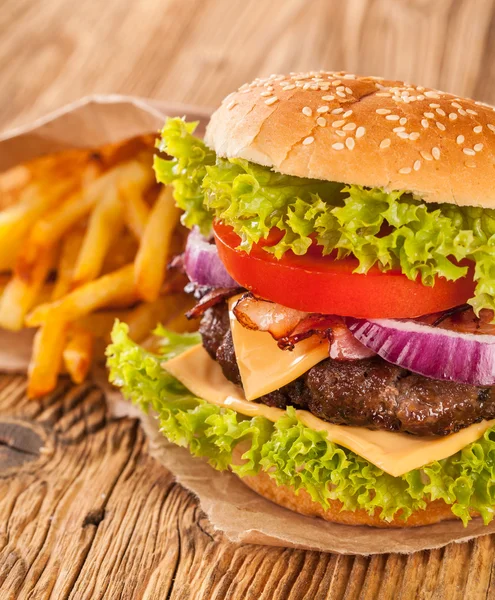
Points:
(85, 512)
(197, 51)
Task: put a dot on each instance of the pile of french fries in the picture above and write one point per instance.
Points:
(85, 238)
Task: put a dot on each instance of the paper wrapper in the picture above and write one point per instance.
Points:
(231, 506)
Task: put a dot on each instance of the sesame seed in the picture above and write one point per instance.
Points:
(421, 96)
(336, 82)
(491, 127)
(424, 122)
(470, 164)
(307, 111)
(440, 126)
(462, 112)
(429, 94)
(340, 133)
(429, 115)
(435, 153)
(392, 117)
(383, 111)
(349, 127)
(271, 100)
(322, 109)
(350, 143)
(340, 88)
(321, 121)
(468, 151)
(231, 105)
(348, 113)
(338, 123)
(478, 147)
(328, 98)
(426, 155)
(385, 143)
(337, 111)
(403, 135)
(338, 146)
(405, 170)
(417, 165)
(348, 90)
(471, 111)
(456, 105)
(308, 140)
(289, 87)
(265, 94)
(383, 94)
(397, 129)
(440, 112)
(414, 135)
(434, 105)
(478, 129)
(341, 94)
(403, 121)
(460, 139)
(452, 116)
(360, 131)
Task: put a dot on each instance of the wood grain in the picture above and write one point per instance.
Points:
(197, 51)
(85, 512)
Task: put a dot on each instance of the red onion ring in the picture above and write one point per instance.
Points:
(202, 263)
(430, 351)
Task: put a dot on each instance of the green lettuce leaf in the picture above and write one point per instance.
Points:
(291, 453)
(392, 230)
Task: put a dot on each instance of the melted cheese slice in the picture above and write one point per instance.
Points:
(395, 453)
(263, 366)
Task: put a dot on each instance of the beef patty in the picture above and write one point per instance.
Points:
(368, 393)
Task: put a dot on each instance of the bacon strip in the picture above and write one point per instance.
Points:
(210, 299)
(289, 327)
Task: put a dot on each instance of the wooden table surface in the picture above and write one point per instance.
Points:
(92, 515)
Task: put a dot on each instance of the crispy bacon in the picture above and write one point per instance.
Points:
(289, 327)
(462, 319)
(211, 298)
(263, 315)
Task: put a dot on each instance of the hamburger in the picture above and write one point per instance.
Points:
(342, 258)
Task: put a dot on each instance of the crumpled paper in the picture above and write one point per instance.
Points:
(232, 507)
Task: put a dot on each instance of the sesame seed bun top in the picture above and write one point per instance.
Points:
(362, 130)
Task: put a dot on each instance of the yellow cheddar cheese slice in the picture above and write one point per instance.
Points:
(263, 366)
(395, 453)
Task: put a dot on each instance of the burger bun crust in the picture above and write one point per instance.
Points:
(362, 130)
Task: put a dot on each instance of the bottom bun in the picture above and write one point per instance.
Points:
(302, 503)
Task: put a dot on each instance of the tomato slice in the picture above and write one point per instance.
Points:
(314, 283)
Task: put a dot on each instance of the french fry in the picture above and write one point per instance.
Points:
(54, 225)
(21, 293)
(11, 184)
(78, 353)
(136, 211)
(104, 226)
(100, 323)
(17, 219)
(107, 289)
(46, 358)
(144, 318)
(151, 259)
(71, 246)
(122, 251)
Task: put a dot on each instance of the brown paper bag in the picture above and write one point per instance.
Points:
(231, 507)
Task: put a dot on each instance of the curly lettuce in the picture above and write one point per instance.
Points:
(392, 230)
(291, 453)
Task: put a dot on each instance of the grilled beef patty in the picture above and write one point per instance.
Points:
(368, 393)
